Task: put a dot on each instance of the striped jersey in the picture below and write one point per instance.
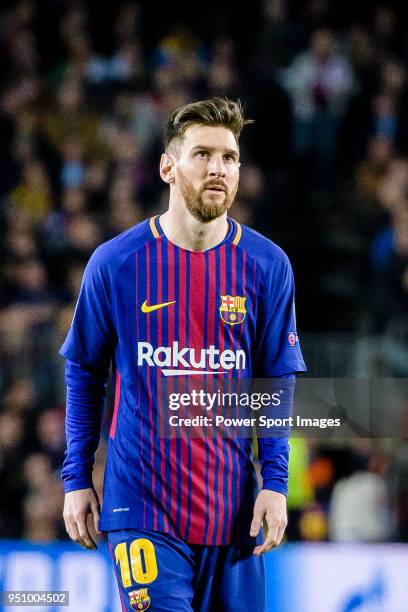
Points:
(150, 310)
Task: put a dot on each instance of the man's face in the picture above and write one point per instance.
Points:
(206, 170)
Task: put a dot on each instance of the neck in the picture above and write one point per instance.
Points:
(183, 230)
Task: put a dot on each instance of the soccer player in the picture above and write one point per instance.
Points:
(185, 293)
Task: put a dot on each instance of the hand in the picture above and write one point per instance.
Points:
(271, 506)
(77, 506)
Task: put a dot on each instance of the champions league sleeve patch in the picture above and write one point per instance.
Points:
(293, 338)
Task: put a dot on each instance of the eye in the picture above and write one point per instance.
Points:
(203, 154)
(228, 157)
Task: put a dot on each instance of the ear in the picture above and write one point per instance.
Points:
(166, 168)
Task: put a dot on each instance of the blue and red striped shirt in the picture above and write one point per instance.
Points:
(201, 490)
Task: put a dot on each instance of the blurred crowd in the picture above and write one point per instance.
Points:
(85, 92)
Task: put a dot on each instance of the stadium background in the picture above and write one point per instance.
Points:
(84, 93)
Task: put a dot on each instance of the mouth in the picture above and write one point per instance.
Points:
(215, 189)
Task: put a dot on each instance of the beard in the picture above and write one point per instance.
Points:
(203, 205)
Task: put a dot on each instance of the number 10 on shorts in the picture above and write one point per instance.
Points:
(142, 566)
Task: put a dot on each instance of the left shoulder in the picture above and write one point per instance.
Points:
(268, 255)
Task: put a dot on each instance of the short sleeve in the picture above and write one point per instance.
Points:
(91, 339)
(278, 343)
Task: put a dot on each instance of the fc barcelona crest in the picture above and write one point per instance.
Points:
(139, 600)
(232, 309)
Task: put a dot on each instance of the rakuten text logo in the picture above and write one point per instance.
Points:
(187, 361)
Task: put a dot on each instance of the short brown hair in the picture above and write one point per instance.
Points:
(215, 111)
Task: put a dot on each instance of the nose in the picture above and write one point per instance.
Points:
(216, 166)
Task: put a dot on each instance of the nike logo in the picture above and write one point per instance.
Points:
(146, 308)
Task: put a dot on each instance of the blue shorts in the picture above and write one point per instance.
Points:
(159, 572)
